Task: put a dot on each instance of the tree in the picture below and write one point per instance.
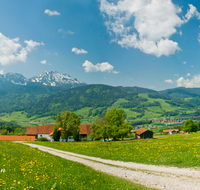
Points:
(190, 126)
(56, 133)
(117, 125)
(101, 121)
(104, 132)
(5, 132)
(69, 122)
(95, 133)
(125, 129)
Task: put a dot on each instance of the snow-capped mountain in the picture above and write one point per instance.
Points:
(53, 78)
(14, 78)
(48, 78)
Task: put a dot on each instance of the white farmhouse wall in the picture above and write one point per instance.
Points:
(44, 135)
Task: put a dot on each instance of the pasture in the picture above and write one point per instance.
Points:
(23, 168)
(173, 150)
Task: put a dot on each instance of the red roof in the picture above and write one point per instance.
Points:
(59, 129)
(140, 131)
(85, 129)
(45, 129)
(170, 130)
(31, 130)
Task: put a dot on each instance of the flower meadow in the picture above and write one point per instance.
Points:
(173, 150)
(24, 168)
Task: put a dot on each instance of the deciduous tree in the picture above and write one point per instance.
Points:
(190, 126)
(69, 122)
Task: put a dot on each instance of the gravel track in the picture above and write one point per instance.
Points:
(159, 177)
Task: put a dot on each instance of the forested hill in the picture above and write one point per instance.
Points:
(17, 97)
(77, 98)
(137, 102)
(103, 97)
(138, 90)
(181, 92)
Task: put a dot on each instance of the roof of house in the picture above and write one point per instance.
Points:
(59, 129)
(85, 129)
(140, 131)
(31, 130)
(45, 129)
(170, 130)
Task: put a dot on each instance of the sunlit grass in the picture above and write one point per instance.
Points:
(23, 168)
(174, 150)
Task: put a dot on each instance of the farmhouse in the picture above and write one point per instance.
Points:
(170, 131)
(143, 134)
(47, 132)
(40, 131)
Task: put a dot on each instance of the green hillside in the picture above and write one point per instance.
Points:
(18, 97)
(93, 101)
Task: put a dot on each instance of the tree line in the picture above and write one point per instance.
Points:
(113, 125)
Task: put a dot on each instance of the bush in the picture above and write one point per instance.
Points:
(42, 139)
(84, 139)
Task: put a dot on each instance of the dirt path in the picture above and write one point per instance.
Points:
(159, 177)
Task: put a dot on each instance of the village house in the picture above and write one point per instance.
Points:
(47, 132)
(143, 134)
(40, 131)
(170, 131)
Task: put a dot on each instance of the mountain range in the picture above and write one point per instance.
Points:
(51, 93)
(48, 78)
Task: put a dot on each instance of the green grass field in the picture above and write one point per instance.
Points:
(165, 106)
(172, 150)
(23, 168)
(117, 105)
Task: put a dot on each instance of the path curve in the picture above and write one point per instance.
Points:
(159, 177)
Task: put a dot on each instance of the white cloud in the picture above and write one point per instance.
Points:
(184, 62)
(189, 83)
(11, 51)
(188, 74)
(43, 62)
(103, 67)
(181, 33)
(116, 72)
(79, 51)
(56, 53)
(65, 32)
(169, 81)
(176, 75)
(192, 65)
(192, 12)
(51, 13)
(198, 38)
(31, 44)
(144, 24)
(1, 72)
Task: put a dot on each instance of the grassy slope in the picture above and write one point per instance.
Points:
(174, 150)
(21, 119)
(28, 168)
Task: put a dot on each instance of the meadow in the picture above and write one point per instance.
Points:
(23, 168)
(172, 150)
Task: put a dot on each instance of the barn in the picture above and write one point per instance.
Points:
(143, 134)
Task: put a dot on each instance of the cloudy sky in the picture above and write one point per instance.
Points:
(148, 43)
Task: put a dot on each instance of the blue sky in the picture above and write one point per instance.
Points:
(152, 44)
